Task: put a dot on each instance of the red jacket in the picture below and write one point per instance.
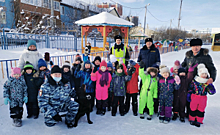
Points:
(132, 85)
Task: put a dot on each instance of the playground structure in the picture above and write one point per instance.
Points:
(216, 42)
(139, 35)
(104, 23)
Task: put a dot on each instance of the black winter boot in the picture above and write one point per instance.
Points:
(175, 116)
(182, 119)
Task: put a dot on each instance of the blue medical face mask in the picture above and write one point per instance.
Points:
(57, 79)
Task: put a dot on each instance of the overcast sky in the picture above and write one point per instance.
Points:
(196, 14)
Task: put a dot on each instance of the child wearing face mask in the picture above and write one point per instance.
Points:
(198, 90)
(166, 85)
(103, 79)
(15, 93)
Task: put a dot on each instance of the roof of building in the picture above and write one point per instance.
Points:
(104, 19)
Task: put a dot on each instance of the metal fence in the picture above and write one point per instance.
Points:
(6, 65)
(14, 40)
(59, 60)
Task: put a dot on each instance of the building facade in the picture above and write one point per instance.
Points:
(117, 6)
(6, 14)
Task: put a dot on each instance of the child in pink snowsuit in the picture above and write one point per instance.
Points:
(103, 79)
(197, 95)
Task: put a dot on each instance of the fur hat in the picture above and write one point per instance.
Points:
(176, 65)
(109, 64)
(118, 37)
(15, 70)
(113, 58)
(66, 64)
(164, 69)
(41, 63)
(202, 69)
(152, 69)
(196, 42)
(103, 63)
(56, 69)
(148, 40)
(28, 65)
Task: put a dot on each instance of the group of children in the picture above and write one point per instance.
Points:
(113, 84)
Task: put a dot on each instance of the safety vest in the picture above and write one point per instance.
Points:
(120, 54)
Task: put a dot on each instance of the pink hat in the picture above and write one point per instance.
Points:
(176, 65)
(15, 70)
(103, 63)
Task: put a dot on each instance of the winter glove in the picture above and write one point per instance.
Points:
(177, 79)
(133, 69)
(129, 72)
(142, 65)
(78, 67)
(120, 61)
(57, 118)
(6, 100)
(191, 68)
(188, 98)
(95, 69)
(42, 74)
(47, 56)
(51, 63)
(25, 99)
(155, 99)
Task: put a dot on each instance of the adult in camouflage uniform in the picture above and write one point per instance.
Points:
(55, 96)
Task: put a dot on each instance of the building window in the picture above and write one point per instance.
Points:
(3, 17)
(56, 5)
(62, 12)
(47, 3)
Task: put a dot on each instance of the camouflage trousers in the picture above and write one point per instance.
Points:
(70, 107)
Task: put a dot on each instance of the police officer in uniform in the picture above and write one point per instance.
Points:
(120, 50)
(56, 96)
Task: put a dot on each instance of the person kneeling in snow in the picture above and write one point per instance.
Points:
(56, 96)
(197, 95)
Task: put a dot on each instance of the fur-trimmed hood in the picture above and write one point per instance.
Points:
(203, 51)
(152, 69)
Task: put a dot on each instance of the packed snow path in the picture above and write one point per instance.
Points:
(126, 125)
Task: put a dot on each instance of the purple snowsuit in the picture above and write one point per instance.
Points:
(166, 88)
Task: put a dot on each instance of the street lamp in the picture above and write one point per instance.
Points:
(145, 16)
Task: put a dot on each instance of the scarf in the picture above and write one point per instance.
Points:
(121, 46)
(120, 74)
(104, 79)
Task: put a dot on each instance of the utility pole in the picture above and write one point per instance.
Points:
(180, 14)
(52, 16)
(145, 16)
(170, 28)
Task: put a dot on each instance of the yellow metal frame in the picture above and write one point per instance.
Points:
(215, 47)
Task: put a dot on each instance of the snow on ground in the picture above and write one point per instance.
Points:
(127, 125)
